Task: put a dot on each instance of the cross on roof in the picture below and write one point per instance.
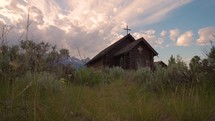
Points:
(127, 29)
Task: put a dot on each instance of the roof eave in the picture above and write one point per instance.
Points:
(102, 53)
(150, 47)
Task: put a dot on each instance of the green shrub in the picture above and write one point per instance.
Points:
(87, 76)
(115, 73)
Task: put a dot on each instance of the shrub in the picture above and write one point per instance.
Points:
(86, 76)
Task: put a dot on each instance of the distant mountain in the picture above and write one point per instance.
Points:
(74, 62)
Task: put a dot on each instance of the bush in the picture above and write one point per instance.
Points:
(85, 76)
(115, 73)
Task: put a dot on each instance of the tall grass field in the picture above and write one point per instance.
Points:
(107, 95)
(35, 86)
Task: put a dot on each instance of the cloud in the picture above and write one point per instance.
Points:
(185, 39)
(2, 22)
(90, 25)
(151, 37)
(159, 42)
(206, 35)
(174, 34)
(160, 9)
(163, 34)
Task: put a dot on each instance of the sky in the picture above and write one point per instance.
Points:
(172, 27)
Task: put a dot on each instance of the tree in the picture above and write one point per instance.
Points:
(181, 64)
(34, 54)
(195, 68)
(177, 62)
(195, 63)
(53, 56)
(177, 70)
(171, 61)
(64, 53)
(211, 58)
(5, 30)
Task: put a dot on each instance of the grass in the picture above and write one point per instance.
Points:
(105, 95)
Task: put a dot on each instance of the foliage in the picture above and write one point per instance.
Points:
(87, 77)
(64, 52)
(35, 86)
(31, 56)
(41, 96)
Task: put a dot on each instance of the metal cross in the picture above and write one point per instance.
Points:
(127, 29)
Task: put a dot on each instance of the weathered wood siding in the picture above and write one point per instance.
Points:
(143, 59)
(133, 59)
(123, 61)
(110, 60)
(97, 64)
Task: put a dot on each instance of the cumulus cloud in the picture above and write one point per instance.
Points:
(163, 34)
(151, 37)
(206, 35)
(89, 25)
(185, 39)
(174, 34)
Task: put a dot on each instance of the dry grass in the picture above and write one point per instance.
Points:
(40, 97)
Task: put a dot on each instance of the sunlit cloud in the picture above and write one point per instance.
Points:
(185, 39)
(174, 34)
(89, 25)
(2, 22)
(160, 10)
(163, 34)
(151, 37)
(206, 35)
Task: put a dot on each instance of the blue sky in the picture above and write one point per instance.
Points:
(193, 16)
(182, 27)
